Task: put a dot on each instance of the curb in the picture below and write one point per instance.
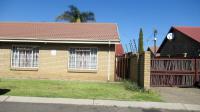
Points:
(135, 104)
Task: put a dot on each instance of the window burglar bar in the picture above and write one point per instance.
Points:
(25, 57)
(83, 58)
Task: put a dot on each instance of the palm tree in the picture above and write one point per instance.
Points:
(75, 15)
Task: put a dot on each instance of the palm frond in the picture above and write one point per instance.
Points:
(74, 11)
(66, 16)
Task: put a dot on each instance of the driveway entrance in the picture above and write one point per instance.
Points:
(179, 95)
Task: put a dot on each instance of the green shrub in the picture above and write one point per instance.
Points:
(132, 86)
(129, 85)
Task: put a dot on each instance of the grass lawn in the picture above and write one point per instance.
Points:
(75, 89)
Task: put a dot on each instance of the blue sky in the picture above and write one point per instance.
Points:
(130, 15)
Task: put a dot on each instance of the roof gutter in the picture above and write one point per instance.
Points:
(64, 41)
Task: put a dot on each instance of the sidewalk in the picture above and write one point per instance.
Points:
(134, 104)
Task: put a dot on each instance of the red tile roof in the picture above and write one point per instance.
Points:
(58, 31)
(119, 51)
(192, 32)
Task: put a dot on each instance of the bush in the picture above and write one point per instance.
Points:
(129, 85)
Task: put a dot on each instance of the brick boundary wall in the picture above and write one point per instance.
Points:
(140, 69)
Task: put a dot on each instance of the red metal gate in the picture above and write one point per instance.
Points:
(198, 70)
(175, 72)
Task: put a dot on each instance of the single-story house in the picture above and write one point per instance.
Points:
(181, 42)
(45, 50)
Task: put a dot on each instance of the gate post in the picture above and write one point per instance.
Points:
(144, 70)
(196, 72)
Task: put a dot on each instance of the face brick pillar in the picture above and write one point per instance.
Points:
(144, 70)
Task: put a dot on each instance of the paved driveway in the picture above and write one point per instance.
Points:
(179, 95)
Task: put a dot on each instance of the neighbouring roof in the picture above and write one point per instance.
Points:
(191, 32)
(119, 51)
(59, 31)
(152, 49)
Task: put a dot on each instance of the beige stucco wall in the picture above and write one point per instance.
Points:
(56, 67)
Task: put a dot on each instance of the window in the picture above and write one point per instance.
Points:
(24, 57)
(83, 58)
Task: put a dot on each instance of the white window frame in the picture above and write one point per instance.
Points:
(75, 58)
(11, 58)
